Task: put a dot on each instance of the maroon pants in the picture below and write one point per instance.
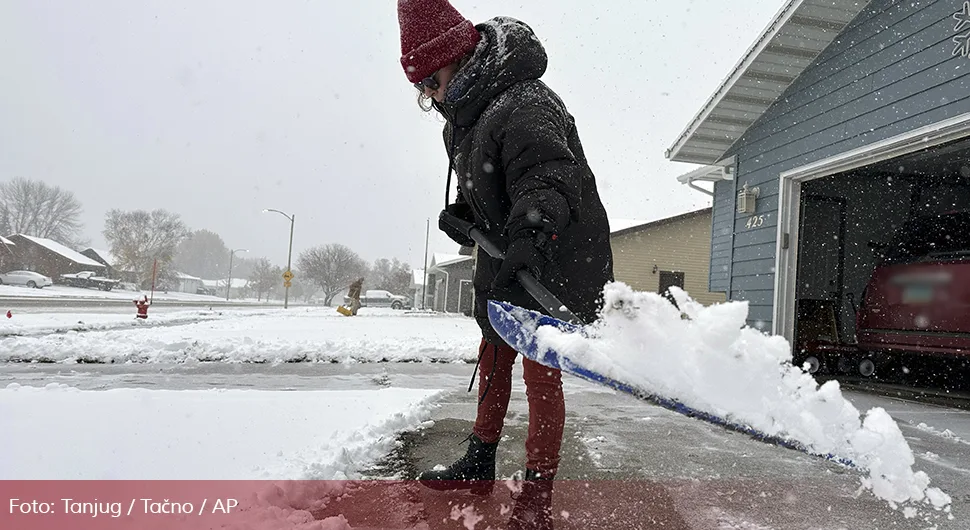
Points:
(547, 408)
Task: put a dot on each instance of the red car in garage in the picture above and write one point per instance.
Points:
(918, 298)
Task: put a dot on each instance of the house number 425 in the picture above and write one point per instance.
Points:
(755, 222)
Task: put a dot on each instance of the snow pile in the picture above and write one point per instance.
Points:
(264, 336)
(305, 446)
(43, 324)
(140, 434)
(708, 359)
(946, 434)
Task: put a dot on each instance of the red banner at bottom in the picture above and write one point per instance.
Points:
(319, 505)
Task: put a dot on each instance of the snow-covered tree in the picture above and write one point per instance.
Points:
(265, 277)
(332, 267)
(34, 208)
(203, 254)
(390, 275)
(138, 238)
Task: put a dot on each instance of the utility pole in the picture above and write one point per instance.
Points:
(424, 271)
(229, 281)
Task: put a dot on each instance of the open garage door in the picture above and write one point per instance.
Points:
(882, 261)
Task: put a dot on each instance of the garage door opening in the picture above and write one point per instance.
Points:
(883, 263)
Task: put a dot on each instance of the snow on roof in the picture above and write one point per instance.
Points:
(183, 276)
(58, 248)
(106, 255)
(440, 259)
(622, 224)
(7, 241)
(237, 283)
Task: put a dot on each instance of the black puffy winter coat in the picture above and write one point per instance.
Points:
(521, 170)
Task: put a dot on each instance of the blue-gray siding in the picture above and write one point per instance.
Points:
(890, 71)
(722, 237)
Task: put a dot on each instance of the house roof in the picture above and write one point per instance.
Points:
(622, 224)
(440, 260)
(58, 248)
(7, 241)
(106, 255)
(237, 283)
(660, 222)
(183, 276)
(792, 40)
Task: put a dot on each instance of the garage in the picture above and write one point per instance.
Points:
(883, 263)
(838, 154)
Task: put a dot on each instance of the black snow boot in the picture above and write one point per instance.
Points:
(475, 471)
(533, 504)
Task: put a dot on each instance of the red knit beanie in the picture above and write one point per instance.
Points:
(433, 35)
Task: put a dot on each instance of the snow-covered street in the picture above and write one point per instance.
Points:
(302, 394)
(261, 336)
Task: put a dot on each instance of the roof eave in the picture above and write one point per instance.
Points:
(776, 23)
(787, 47)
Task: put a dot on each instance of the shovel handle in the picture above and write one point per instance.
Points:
(538, 291)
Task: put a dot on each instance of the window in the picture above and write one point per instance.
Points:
(670, 279)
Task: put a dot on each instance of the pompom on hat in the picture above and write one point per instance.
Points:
(433, 35)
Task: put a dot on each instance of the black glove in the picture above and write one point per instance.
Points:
(462, 211)
(529, 252)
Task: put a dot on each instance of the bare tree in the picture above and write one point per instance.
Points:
(34, 208)
(390, 275)
(303, 288)
(139, 237)
(332, 267)
(204, 254)
(264, 277)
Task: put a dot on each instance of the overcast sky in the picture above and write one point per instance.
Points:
(218, 109)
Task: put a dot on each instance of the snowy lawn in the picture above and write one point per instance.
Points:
(34, 324)
(62, 433)
(264, 336)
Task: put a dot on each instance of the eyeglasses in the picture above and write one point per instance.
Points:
(428, 82)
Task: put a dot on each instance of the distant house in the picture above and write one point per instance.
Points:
(7, 256)
(238, 289)
(450, 283)
(655, 255)
(417, 290)
(50, 258)
(110, 261)
(187, 284)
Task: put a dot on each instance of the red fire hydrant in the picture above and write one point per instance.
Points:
(142, 306)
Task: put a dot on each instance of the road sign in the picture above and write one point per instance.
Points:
(287, 276)
(287, 283)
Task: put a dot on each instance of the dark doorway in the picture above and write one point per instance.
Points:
(821, 269)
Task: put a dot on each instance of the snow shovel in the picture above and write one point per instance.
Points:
(509, 322)
(538, 291)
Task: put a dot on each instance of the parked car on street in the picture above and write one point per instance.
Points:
(381, 298)
(26, 278)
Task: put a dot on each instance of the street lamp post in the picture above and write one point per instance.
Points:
(229, 281)
(289, 256)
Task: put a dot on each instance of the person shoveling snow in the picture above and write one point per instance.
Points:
(524, 178)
